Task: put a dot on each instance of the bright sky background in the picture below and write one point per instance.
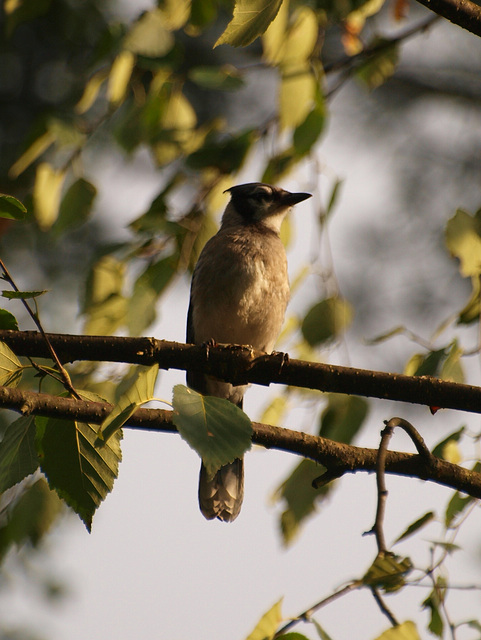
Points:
(153, 567)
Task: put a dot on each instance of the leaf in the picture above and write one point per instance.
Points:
(147, 289)
(91, 91)
(470, 313)
(8, 321)
(300, 497)
(104, 305)
(80, 467)
(380, 66)
(458, 503)
(292, 636)
(149, 36)
(224, 78)
(343, 417)
(308, 132)
(268, 624)
(34, 151)
(279, 165)
(463, 240)
(405, 631)
(18, 456)
(415, 526)
(11, 208)
(425, 365)
(326, 320)
(10, 367)
(451, 368)
(218, 430)
(76, 205)
(432, 603)
(333, 198)
(387, 572)
(46, 194)
(251, 19)
(22, 295)
(297, 94)
(119, 77)
(175, 13)
(140, 391)
(227, 155)
(320, 631)
(454, 437)
(30, 516)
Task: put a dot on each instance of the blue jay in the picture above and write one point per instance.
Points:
(239, 295)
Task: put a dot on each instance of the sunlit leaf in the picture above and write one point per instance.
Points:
(11, 208)
(175, 13)
(119, 76)
(416, 526)
(140, 392)
(218, 430)
(46, 194)
(251, 19)
(104, 305)
(425, 364)
(10, 367)
(387, 572)
(149, 36)
(274, 38)
(268, 624)
(18, 456)
(463, 240)
(78, 465)
(91, 91)
(326, 320)
(379, 67)
(470, 313)
(441, 447)
(34, 151)
(404, 631)
(225, 78)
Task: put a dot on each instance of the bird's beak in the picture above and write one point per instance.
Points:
(290, 199)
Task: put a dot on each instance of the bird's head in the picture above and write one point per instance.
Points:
(255, 203)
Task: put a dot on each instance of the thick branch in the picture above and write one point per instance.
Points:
(334, 455)
(241, 365)
(464, 13)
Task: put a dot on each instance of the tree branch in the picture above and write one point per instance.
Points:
(340, 457)
(464, 13)
(241, 365)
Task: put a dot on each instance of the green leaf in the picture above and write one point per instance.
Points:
(268, 624)
(326, 320)
(46, 194)
(224, 78)
(227, 155)
(147, 289)
(458, 503)
(76, 206)
(251, 19)
(425, 364)
(320, 631)
(300, 497)
(8, 321)
(308, 132)
(80, 467)
(18, 456)
(10, 367)
(470, 313)
(139, 392)
(22, 295)
(380, 66)
(405, 631)
(440, 448)
(463, 240)
(30, 517)
(432, 603)
(104, 305)
(387, 572)
(333, 198)
(415, 526)
(292, 636)
(343, 417)
(451, 368)
(218, 430)
(279, 165)
(149, 36)
(11, 208)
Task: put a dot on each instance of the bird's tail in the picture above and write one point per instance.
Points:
(221, 496)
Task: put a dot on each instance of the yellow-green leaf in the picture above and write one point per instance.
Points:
(387, 572)
(34, 151)
(140, 391)
(91, 91)
(149, 36)
(18, 456)
(268, 624)
(405, 631)
(326, 320)
(11, 208)
(10, 367)
(175, 13)
(251, 19)
(463, 240)
(119, 76)
(46, 194)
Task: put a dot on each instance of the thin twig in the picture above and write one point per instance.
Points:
(306, 615)
(383, 607)
(65, 376)
(382, 492)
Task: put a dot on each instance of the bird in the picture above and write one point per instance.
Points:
(239, 294)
